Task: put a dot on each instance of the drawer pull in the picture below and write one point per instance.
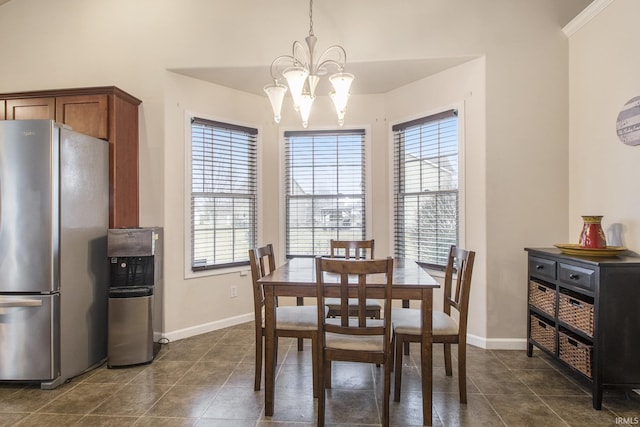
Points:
(574, 276)
(539, 267)
(542, 288)
(542, 324)
(574, 302)
(572, 342)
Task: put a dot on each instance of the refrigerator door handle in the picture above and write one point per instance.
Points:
(20, 303)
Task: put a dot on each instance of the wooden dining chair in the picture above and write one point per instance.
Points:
(353, 339)
(291, 321)
(446, 330)
(353, 249)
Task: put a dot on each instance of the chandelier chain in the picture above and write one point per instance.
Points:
(311, 17)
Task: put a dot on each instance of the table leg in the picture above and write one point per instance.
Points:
(269, 350)
(426, 356)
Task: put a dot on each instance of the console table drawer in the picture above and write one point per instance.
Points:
(576, 276)
(542, 268)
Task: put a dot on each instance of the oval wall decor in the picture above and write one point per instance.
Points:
(628, 123)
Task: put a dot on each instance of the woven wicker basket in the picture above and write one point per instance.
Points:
(542, 297)
(543, 333)
(576, 353)
(576, 313)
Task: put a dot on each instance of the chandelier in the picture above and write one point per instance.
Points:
(302, 71)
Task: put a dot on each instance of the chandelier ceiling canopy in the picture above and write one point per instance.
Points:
(302, 71)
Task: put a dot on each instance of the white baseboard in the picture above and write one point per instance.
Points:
(474, 340)
(497, 343)
(204, 328)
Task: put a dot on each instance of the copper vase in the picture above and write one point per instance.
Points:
(592, 235)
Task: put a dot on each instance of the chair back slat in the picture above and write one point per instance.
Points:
(263, 262)
(347, 271)
(352, 249)
(456, 292)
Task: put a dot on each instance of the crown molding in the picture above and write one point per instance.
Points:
(585, 16)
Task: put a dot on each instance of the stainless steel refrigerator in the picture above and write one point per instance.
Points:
(54, 216)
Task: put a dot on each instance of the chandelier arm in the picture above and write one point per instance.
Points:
(300, 55)
(324, 61)
(277, 68)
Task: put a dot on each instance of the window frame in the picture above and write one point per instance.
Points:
(283, 174)
(459, 108)
(227, 268)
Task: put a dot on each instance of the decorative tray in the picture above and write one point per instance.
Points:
(575, 249)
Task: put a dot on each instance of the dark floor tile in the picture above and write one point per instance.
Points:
(115, 375)
(234, 403)
(29, 399)
(351, 407)
(208, 373)
(49, 420)
(294, 405)
(106, 420)
(166, 422)
(518, 359)
(184, 402)
(578, 411)
(476, 412)
(132, 400)
(547, 382)
(524, 411)
(163, 372)
(408, 412)
(505, 383)
(9, 419)
(82, 399)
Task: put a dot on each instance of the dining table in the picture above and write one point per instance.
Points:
(297, 278)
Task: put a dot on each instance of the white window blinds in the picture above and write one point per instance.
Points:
(223, 194)
(426, 188)
(325, 189)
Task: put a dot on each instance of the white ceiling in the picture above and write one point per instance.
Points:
(370, 77)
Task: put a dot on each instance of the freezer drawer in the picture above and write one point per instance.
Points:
(28, 323)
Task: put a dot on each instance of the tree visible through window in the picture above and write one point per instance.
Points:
(223, 194)
(426, 188)
(325, 189)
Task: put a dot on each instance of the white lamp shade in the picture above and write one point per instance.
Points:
(341, 83)
(341, 106)
(296, 76)
(306, 101)
(276, 92)
(340, 96)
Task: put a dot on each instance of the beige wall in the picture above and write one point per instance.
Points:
(516, 121)
(604, 75)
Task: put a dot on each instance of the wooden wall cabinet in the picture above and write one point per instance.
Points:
(584, 312)
(103, 112)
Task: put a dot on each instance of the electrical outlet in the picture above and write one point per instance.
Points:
(234, 291)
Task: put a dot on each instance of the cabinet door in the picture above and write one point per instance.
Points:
(31, 108)
(2, 109)
(87, 114)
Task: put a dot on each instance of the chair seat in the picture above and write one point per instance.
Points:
(334, 303)
(407, 321)
(355, 342)
(297, 317)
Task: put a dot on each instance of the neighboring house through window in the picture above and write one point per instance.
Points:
(223, 194)
(426, 200)
(324, 188)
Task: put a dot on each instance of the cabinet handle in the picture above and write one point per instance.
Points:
(542, 324)
(542, 288)
(574, 276)
(572, 342)
(539, 266)
(574, 302)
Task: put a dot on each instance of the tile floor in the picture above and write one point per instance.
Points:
(207, 380)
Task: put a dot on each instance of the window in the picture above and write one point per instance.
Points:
(223, 194)
(426, 188)
(325, 189)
